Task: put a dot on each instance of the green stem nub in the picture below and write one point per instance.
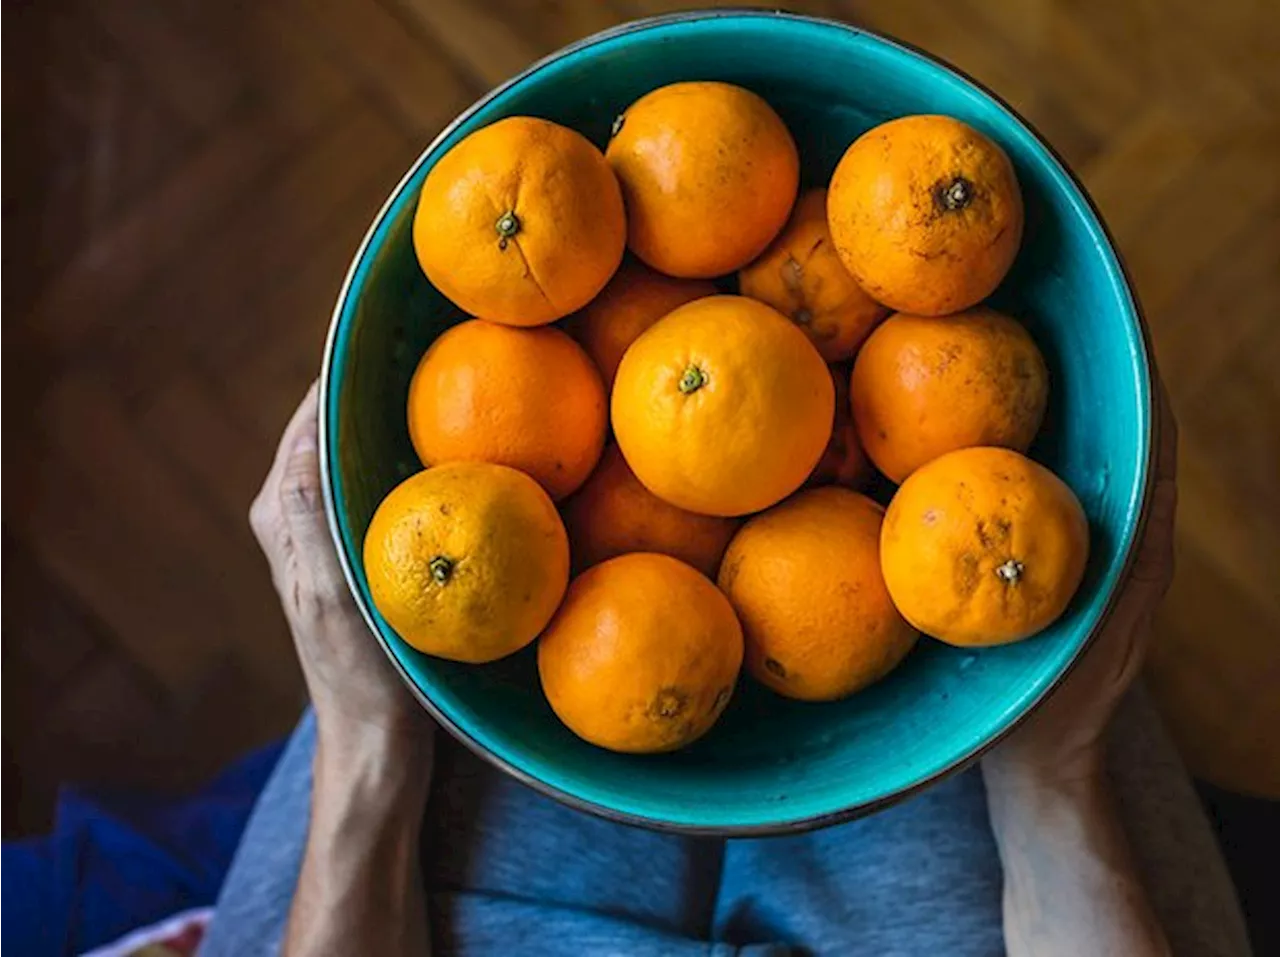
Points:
(508, 225)
(955, 195)
(802, 316)
(692, 380)
(441, 569)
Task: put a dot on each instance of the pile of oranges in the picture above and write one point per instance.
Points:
(724, 523)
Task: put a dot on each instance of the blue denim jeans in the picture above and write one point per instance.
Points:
(510, 872)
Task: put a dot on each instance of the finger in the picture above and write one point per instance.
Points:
(302, 514)
(264, 513)
(1154, 562)
(305, 417)
(1166, 437)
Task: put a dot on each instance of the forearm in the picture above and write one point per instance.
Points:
(1071, 886)
(360, 889)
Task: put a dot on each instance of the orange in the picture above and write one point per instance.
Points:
(926, 213)
(843, 462)
(614, 514)
(983, 547)
(520, 223)
(923, 386)
(724, 407)
(642, 656)
(527, 398)
(467, 561)
(802, 277)
(635, 298)
(709, 173)
(804, 578)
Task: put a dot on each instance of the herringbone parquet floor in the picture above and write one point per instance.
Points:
(184, 183)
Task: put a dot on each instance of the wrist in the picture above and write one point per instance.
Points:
(370, 774)
(1070, 772)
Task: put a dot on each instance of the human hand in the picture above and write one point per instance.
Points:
(1063, 740)
(352, 685)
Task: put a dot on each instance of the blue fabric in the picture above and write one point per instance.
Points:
(511, 872)
(115, 863)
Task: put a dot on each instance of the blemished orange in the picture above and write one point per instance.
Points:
(467, 561)
(527, 398)
(723, 407)
(926, 213)
(709, 173)
(983, 547)
(844, 462)
(923, 386)
(642, 656)
(635, 298)
(805, 580)
(521, 222)
(801, 276)
(613, 514)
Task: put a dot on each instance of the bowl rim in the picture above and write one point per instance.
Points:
(812, 822)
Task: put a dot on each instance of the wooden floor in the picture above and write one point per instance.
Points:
(186, 181)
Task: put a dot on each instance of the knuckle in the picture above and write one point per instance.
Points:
(261, 517)
(300, 491)
(317, 601)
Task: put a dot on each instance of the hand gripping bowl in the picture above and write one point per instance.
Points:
(770, 765)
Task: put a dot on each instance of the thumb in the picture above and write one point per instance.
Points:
(301, 498)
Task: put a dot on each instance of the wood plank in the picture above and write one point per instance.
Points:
(403, 72)
(1139, 169)
(176, 60)
(1214, 668)
(1098, 91)
(1212, 202)
(291, 78)
(191, 420)
(101, 279)
(550, 23)
(265, 377)
(1230, 299)
(1229, 528)
(957, 40)
(43, 626)
(110, 519)
(199, 309)
(92, 140)
(492, 47)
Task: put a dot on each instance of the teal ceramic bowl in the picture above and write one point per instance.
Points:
(770, 765)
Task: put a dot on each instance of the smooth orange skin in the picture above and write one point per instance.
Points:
(709, 173)
(751, 434)
(506, 546)
(897, 237)
(801, 276)
(635, 298)
(572, 227)
(958, 520)
(924, 386)
(805, 580)
(642, 656)
(614, 514)
(844, 462)
(527, 398)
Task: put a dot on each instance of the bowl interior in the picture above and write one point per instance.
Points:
(770, 763)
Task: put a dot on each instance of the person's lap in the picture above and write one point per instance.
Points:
(510, 871)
